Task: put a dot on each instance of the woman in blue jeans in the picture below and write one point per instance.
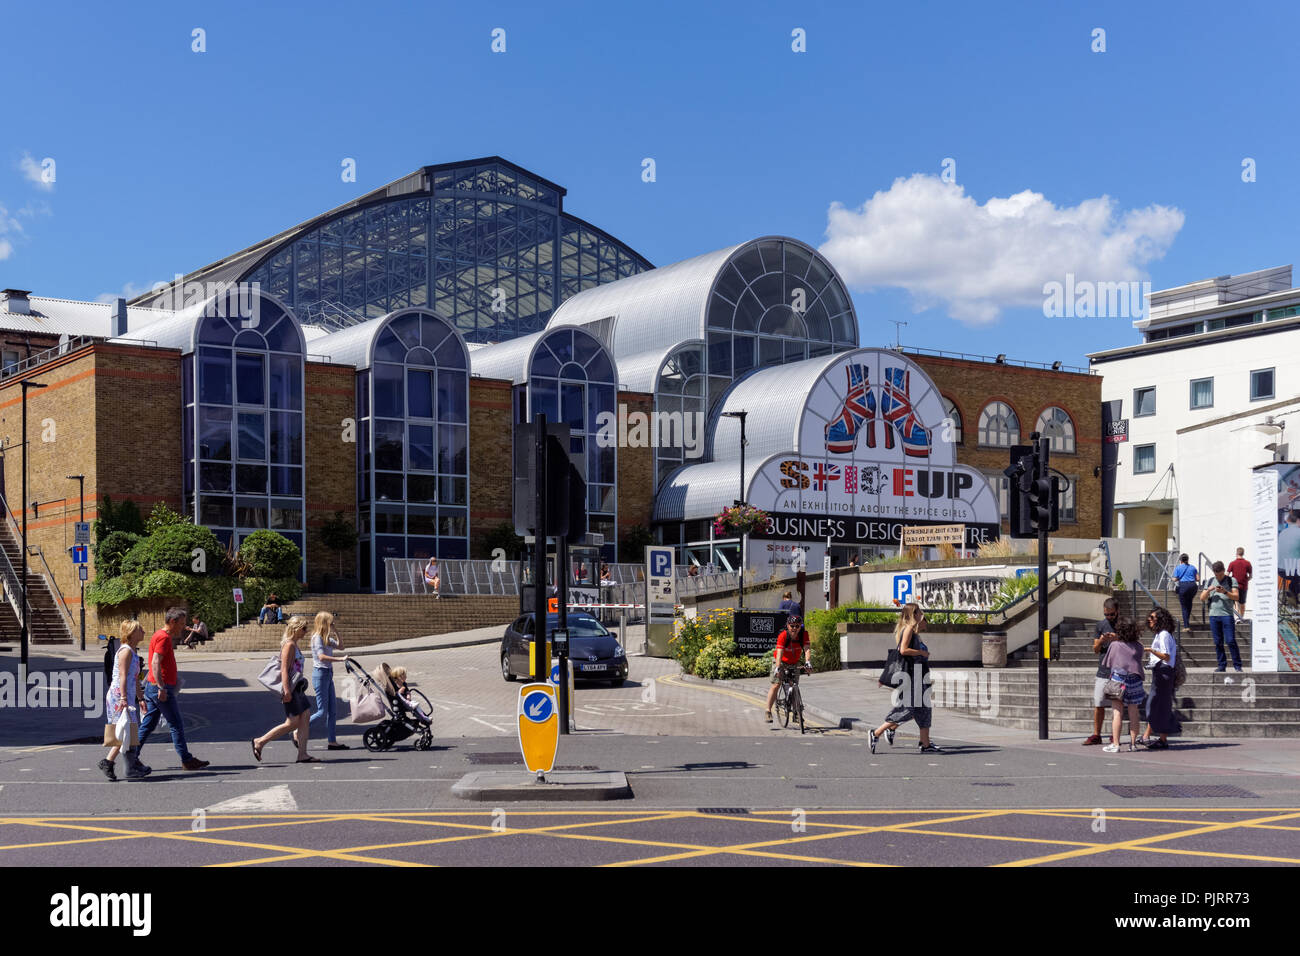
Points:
(1186, 577)
(323, 639)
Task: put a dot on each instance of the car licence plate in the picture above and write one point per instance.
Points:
(594, 667)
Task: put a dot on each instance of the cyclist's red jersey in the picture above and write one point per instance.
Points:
(790, 651)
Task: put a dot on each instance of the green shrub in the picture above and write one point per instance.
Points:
(110, 550)
(821, 626)
(162, 517)
(709, 661)
(1119, 581)
(270, 555)
(161, 584)
(696, 633)
(106, 591)
(1012, 589)
(735, 668)
(171, 549)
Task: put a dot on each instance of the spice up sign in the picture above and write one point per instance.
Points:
(874, 455)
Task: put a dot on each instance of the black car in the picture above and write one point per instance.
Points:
(595, 653)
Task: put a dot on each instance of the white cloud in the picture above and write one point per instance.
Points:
(34, 172)
(129, 291)
(8, 226)
(945, 249)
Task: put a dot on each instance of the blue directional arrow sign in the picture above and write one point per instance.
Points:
(555, 674)
(538, 707)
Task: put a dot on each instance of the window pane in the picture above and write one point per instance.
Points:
(219, 512)
(1261, 384)
(422, 521)
(214, 377)
(545, 399)
(286, 481)
(250, 479)
(388, 391)
(1203, 393)
(451, 522)
(421, 488)
(390, 521)
(420, 448)
(252, 436)
(214, 433)
(1144, 459)
(419, 393)
(451, 491)
(451, 396)
(286, 382)
(249, 379)
(250, 513)
(214, 478)
(286, 438)
(286, 516)
(451, 449)
(1144, 402)
(388, 487)
(572, 412)
(388, 445)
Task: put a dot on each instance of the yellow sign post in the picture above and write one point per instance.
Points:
(539, 726)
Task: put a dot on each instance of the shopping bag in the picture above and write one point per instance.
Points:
(367, 708)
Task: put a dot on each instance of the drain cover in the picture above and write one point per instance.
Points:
(725, 810)
(805, 786)
(1184, 792)
(981, 784)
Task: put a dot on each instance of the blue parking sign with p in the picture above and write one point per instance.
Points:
(904, 588)
(661, 562)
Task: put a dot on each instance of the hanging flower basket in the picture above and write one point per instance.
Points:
(741, 519)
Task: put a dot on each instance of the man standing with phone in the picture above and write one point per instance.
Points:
(1221, 593)
(1103, 635)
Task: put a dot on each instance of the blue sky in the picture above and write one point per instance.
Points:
(167, 159)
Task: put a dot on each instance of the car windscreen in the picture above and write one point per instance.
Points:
(583, 626)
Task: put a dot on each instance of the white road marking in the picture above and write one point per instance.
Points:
(273, 799)
(486, 723)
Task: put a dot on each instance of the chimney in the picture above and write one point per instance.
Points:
(119, 318)
(16, 301)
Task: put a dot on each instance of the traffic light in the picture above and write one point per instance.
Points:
(1020, 474)
(1044, 503)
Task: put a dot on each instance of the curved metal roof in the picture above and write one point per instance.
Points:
(774, 398)
(355, 345)
(511, 360)
(180, 329)
(665, 307)
(640, 372)
(652, 311)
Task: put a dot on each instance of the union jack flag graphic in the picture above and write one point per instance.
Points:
(824, 474)
(850, 479)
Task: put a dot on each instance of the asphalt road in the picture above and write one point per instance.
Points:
(712, 784)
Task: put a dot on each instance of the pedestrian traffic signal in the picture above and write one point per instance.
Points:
(1033, 495)
(1043, 505)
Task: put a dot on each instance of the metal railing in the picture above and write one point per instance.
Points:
(12, 586)
(60, 604)
(1181, 650)
(1156, 569)
(1061, 576)
(993, 359)
(64, 348)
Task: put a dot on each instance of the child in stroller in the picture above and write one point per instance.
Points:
(408, 711)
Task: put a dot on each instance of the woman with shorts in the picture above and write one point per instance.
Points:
(297, 708)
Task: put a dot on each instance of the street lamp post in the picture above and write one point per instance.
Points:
(22, 677)
(81, 481)
(740, 416)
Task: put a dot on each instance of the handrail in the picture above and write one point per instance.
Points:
(1189, 654)
(12, 587)
(66, 348)
(54, 589)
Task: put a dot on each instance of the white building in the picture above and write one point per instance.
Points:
(1208, 395)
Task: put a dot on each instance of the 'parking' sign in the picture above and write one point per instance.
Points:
(904, 588)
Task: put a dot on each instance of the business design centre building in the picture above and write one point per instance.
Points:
(375, 360)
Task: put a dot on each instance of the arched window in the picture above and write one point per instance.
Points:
(571, 380)
(243, 393)
(999, 425)
(681, 390)
(950, 409)
(413, 445)
(1056, 424)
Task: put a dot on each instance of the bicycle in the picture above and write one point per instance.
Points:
(789, 699)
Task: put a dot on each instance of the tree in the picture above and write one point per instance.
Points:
(338, 535)
(162, 517)
(270, 555)
(633, 543)
(501, 537)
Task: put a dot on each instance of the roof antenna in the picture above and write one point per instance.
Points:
(898, 330)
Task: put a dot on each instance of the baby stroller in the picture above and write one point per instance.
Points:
(403, 717)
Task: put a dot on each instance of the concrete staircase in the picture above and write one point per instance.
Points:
(47, 625)
(1253, 705)
(365, 619)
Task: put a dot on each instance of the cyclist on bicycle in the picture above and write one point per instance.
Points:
(792, 644)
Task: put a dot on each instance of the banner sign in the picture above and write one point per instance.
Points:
(1275, 586)
(1116, 432)
(874, 453)
(927, 536)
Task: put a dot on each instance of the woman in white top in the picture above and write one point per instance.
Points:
(293, 693)
(122, 707)
(323, 638)
(1162, 661)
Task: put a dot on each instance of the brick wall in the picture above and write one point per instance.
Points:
(973, 385)
(331, 465)
(636, 477)
(491, 426)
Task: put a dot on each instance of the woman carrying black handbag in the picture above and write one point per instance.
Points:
(912, 663)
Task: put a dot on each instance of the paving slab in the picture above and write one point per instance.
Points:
(515, 785)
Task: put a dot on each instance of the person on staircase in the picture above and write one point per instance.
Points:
(1163, 661)
(1187, 579)
(1241, 572)
(1219, 595)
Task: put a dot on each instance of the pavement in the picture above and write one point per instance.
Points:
(711, 782)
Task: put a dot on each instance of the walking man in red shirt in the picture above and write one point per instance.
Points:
(1241, 572)
(162, 687)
